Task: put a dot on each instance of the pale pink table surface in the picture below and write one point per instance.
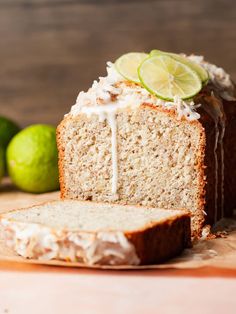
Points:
(38, 289)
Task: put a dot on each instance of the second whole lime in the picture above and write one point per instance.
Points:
(2, 162)
(8, 129)
(32, 159)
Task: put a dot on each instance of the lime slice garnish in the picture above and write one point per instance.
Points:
(127, 65)
(166, 78)
(202, 73)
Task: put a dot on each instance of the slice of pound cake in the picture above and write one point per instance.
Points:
(123, 143)
(96, 233)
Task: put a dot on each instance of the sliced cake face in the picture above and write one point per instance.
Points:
(96, 234)
(157, 161)
(92, 217)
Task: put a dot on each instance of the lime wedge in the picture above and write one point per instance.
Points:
(202, 73)
(166, 78)
(127, 65)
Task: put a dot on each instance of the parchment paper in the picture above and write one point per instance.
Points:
(219, 252)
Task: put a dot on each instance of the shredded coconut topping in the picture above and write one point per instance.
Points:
(219, 78)
(40, 242)
(184, 109)
(113, 92)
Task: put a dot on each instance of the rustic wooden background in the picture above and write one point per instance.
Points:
(51, 49)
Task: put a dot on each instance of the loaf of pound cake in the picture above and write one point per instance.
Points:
(96, 234)
(121, 143)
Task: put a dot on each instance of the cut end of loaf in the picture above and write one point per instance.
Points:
(160, 160)
(92, 217)
(96, 233)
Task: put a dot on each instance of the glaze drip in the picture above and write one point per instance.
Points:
(214, 107)
(113, 125)
(108, 113)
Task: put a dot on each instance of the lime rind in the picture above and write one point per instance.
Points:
(127, 65)
(32, 159)
(166, 78)
(202, 73)
(2, 162)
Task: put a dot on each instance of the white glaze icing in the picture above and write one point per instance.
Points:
(108, 113)
(213, 106)
(221, 132)
(113, 125)
(222, 83)
(222, 169)
(40, 242)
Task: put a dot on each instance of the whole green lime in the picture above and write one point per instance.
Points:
(8, 129)
(2, 162)
(32, 159)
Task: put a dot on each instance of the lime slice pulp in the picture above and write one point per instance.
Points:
(166, 78)
(202, 73)
(127, 65)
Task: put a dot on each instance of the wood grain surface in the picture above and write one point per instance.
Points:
(51, 49)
